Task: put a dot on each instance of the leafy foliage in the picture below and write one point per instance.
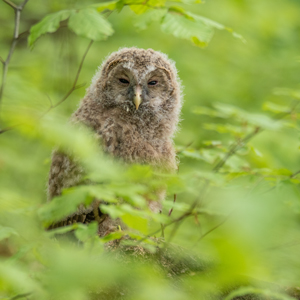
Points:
(87, 22)
(231, 229)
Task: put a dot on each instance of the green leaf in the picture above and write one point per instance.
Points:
(6, 232)
(112, 236)
(242, 291)
(236, 163)
(226, 128)
(139, 172)
(136, 222)
(110, 5)
(252, 118)
(64, 205)
(138, 8)
(202, 110)
(183, 27)
(62, 230)
(275, 108)
(215, 25)
(287, 92)
(85, 232)
(119, 5)
(208, 156)
(207, 21)
(49, 24)
(156, 3)
(114, 211)
(217, 144)
(189, 1)
(90, 24)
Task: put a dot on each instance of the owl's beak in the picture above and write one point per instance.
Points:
(137, 97)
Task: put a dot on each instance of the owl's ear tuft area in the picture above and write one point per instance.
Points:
(110, 65)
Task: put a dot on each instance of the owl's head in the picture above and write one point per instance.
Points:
(138, 82)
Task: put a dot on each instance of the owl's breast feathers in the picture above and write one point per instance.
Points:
(134, 140)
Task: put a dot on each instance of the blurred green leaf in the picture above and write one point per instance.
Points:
(215, 25)
(85, 232)
(6, 232)
(62, 206)
(110, 5)
(48, 24)
(112, 236)
(287, 92)
(254, 119)
(183, 27)
(243, 291)
(202, 110)
(208, 156)
(90, 24)
(150, 16)
(136, 223)
(225, 128)
(138, 9)
(275, 108)
(15, 280)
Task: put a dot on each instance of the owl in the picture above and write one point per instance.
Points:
(133, 105)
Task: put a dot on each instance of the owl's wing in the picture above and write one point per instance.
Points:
(64, 173)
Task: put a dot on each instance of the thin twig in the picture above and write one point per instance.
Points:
(295, 174)
(186, 214)
(235, 147)
(171, 210)
(72, 89)
(162, 230)
(185, 147)
(196, 202)
(18, 11)
(7, 129)
(287, 244)
(74, 86)
(20, 296)
(10, 4)
(211, 230)
(240, 143)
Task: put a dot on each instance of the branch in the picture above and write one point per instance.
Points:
(240, 143)
(7, 129)
(74, 86)
(211, 230)
(10, 4)
(235, 147)
(185, 147)
(186, 214)
(295, 174)
(72, 89)
(18, 11)
(20, 296)
(171, 210)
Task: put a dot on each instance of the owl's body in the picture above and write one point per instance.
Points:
(133, 105)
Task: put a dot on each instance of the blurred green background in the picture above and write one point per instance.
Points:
(230, 71)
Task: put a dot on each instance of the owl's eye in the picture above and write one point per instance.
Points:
(153, 82)
(125, 81)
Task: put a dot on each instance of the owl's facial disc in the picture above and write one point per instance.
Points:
(136, 89)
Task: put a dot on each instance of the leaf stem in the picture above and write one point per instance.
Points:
(241, 142)
(72, 89)
(18, 10)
